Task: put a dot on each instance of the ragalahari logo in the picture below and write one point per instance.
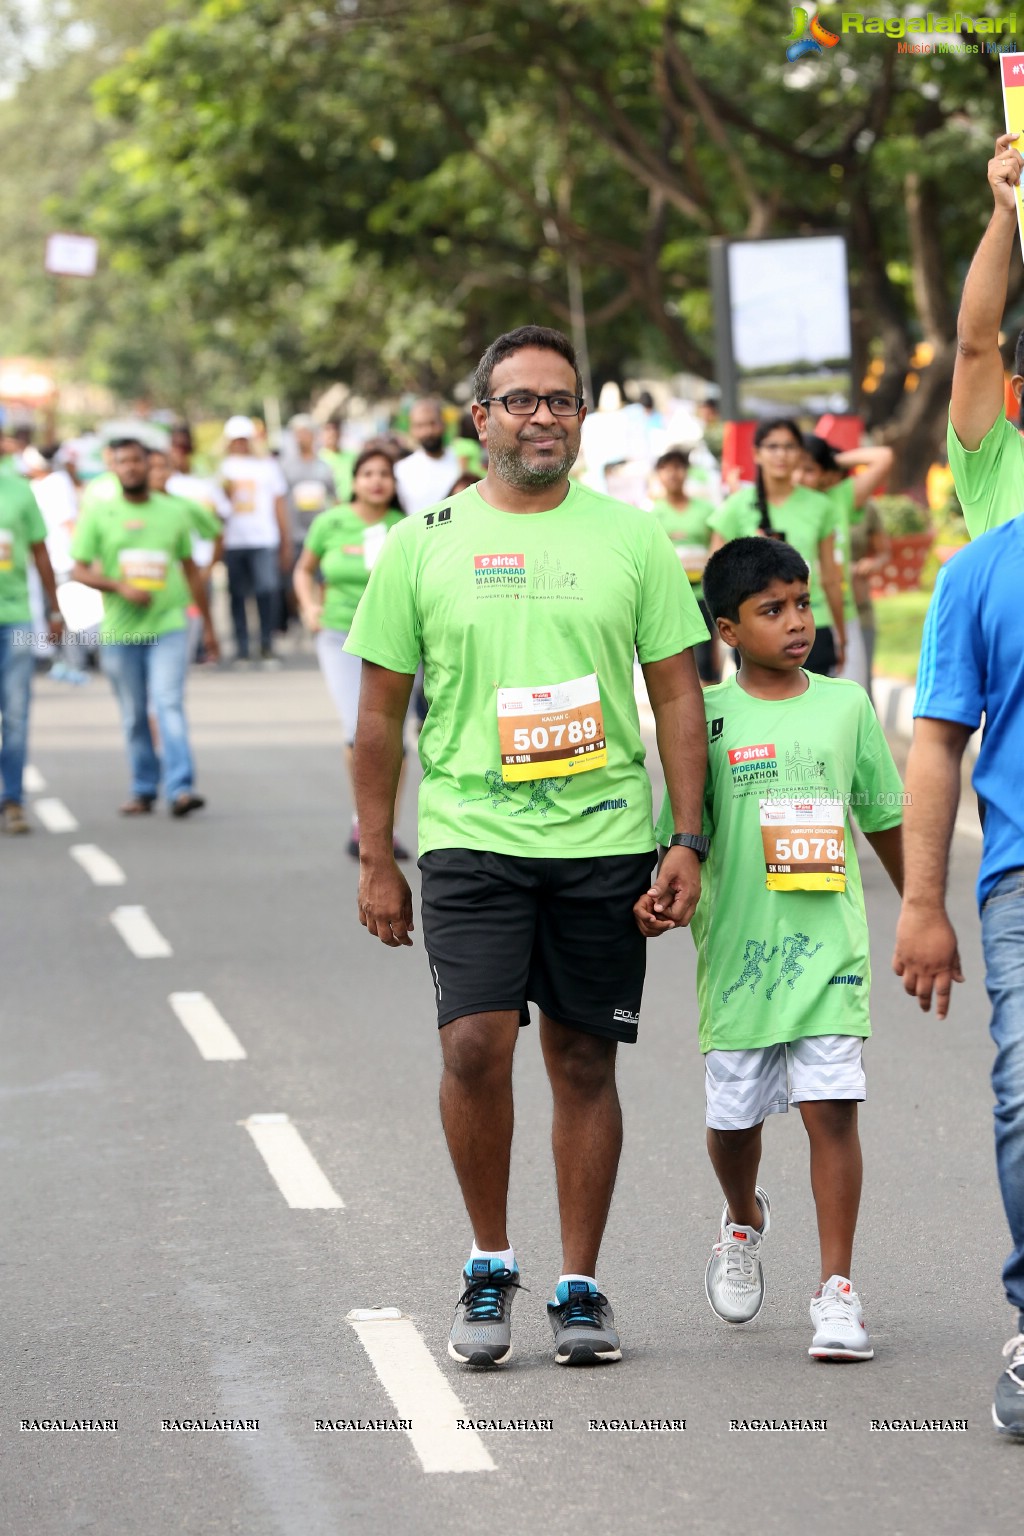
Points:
(800, 44)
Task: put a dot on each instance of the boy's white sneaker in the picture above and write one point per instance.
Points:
(839, 1329)
(734, 1279)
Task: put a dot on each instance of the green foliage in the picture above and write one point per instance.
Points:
(292, 190)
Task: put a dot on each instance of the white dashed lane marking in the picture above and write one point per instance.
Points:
(55, 816)
(139, 932)
(99, 866)
(32, 780)
(213, 1036)
(420, 1392)
(292, 1165)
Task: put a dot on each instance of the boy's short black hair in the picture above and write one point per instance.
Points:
(744, 567)
(674, 456)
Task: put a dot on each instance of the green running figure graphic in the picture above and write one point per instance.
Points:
(498, 792)
(540, 800)
(794, 949)
(754, 958)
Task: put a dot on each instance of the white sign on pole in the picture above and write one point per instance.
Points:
(71, 255)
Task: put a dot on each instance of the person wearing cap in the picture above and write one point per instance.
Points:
(257, 535)
(130, 550)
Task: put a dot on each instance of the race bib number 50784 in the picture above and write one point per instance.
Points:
(551, 731)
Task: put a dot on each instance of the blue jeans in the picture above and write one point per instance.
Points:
(1002, 937)
(16, 661)
(252, 572)
(153, 676)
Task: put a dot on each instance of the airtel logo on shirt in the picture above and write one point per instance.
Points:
(752, 754)
(499, 562)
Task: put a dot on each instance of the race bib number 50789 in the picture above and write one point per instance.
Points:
(551, 731)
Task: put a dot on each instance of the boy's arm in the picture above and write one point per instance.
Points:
(888, 844)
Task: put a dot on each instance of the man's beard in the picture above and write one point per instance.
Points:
(509, 465)
(432, 445)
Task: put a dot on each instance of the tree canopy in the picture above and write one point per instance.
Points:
(296, 190)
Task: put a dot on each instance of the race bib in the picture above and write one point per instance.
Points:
(693, 558)
(551, 732)
(804, 845)
(145, 568)
(309, 496)
(242, 494)
(6, 550)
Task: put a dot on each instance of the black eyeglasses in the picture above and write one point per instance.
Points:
(522, 404)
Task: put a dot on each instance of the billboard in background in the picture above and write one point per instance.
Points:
(782, 326)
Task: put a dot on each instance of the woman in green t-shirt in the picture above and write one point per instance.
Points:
(342, 545)
(780, 508)
(685, 520)
(825, 470)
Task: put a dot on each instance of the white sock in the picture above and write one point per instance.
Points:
(506, 1255)
(589, 1279)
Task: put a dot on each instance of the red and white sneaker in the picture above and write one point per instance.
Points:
(839, 1329)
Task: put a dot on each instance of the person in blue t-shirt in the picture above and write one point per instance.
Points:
(972, 664)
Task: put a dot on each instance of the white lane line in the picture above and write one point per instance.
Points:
(32, 780)
(420, 1392)
(55, 816)
(139, 932)
(99, 866)
(292, 1165)
(214, 1037)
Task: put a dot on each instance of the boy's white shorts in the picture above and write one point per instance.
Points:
(743, 1087)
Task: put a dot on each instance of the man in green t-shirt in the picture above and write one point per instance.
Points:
(527, 597)
(129, 548)
(22, 536)
(986, 450)
(783, 970)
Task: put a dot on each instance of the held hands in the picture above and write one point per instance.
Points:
(385, 902)
(672, 899)
(927, 957)
(1004, 171)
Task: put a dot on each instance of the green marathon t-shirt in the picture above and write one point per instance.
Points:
(803, 520)
(780, 965)
(141, 542)
(341, 462)
(101, 490)
(21, 525)
(688, 532)
(201, 521)
(841, 495)
(347, 549)
(990, 479)
(504, 601)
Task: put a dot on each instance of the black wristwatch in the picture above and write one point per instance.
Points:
(700, 845)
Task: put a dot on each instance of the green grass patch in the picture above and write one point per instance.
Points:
(899, 621)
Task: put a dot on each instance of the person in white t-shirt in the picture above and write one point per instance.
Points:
(257, 537)
(428, 474)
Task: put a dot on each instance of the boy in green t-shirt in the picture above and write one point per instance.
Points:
(783, 969)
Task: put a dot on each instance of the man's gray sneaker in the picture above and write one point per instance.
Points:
(734, 1279)
(583, 1325)
(1008, 1403)
(482, 1331)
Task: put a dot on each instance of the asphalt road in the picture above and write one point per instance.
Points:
(153, 1269)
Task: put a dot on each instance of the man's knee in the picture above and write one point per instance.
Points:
(580, 1063)
(476, 1052)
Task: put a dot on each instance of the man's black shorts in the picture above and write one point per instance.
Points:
(500, 930)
